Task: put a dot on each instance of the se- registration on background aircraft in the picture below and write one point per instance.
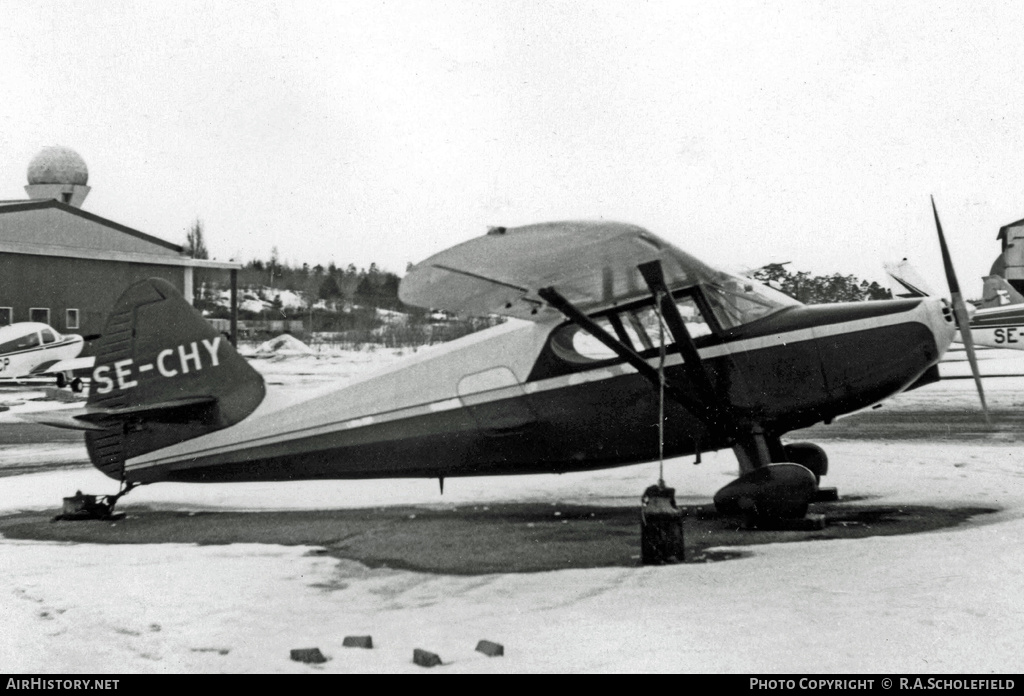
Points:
(604, 313)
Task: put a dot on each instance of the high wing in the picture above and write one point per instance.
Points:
(592, 264)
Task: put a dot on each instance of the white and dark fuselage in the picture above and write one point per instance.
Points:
(514, 399)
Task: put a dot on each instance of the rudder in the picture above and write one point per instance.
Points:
(163, 375)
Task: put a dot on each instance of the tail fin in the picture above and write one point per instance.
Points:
(163, 375)
(905, 281)
(998, 293)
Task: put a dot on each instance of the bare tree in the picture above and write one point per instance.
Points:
(195, 243)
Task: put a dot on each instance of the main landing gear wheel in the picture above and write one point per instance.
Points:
(76, 384)
(771, 492)
(62, 381)
(809, 455)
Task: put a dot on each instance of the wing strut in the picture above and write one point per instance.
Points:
(700, 408)
(654, 276)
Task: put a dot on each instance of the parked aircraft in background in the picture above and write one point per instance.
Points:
(1010, 262)
(33, 349)
(997, 292)
(618, 326)
(997, 323)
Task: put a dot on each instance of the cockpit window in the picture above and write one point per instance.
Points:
(652, 326)
(639, 327)
(48, 336)
(635, 331)
(736, 301)
(576, 345)
(652, 331)
(696, 324)
(21, 343)
(709, 311)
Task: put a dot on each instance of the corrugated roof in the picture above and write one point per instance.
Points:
(103, 255)
(15, 206)
(161, 257)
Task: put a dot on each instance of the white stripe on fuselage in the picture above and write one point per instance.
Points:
(997, 327)
(274, 423)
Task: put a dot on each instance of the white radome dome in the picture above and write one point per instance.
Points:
(56, 164)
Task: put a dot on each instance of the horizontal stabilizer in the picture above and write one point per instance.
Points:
(61, 418)
(170, 410)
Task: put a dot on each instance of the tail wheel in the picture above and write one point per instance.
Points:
(809, 455)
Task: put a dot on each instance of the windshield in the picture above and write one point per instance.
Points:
(736, 300)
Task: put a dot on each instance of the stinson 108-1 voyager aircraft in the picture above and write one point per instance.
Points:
(611, 326)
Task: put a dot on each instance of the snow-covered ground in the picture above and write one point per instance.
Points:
(949, 601)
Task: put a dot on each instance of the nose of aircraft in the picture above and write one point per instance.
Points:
(882, 353)
(938, 316)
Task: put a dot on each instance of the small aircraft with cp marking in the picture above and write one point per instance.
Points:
(609, 327)
(34, 349)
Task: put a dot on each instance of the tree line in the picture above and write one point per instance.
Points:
(820, 289)
(337, 298)
(338, 288)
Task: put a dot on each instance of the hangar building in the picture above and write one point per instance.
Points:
(1010, 263)
(64, 266)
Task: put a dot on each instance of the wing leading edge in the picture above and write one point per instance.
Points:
(592, 264)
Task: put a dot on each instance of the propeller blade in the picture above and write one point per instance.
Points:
(963, 318)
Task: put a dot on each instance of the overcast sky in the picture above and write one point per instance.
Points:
(743, 132)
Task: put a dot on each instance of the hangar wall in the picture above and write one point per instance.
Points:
(91, 286)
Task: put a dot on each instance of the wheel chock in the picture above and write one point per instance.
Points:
(357, 642)
(425, 658)
(308, 655)
(490, 649)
